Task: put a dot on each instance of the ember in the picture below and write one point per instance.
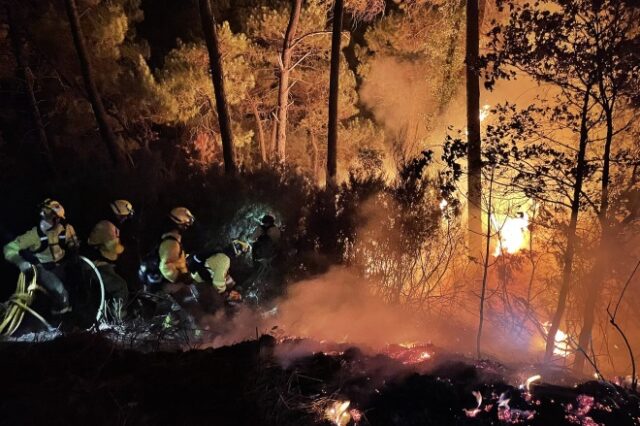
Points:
(531, 380)
(474, 412)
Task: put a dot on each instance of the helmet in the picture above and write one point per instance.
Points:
(240, 247)
(182, 216)
(52, 208)
(122, 208)
(268, 220)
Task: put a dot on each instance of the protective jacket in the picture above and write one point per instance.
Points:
(173, 261)
(38, 246)
(105, 238)
(217, 267)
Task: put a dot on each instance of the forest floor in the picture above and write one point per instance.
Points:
(86, 378)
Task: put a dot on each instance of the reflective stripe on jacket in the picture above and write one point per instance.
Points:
(47, 246)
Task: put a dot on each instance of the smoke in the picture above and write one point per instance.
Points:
(400, 98)
(340, 307)
(337, 306)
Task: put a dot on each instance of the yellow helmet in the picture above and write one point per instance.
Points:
(51, 207)
(122, 208)
(182, 216)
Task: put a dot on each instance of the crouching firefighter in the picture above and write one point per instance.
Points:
(163, 272)
(46, 247)
(264, 282)
(214, 286)
(106, 248)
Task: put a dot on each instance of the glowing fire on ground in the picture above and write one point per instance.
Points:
(511, 232)
(409, 353)
(338, 413)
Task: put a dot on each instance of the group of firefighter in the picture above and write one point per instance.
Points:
(199, 283)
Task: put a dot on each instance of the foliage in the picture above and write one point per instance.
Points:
(410, 66)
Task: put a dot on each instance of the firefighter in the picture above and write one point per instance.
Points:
(265, 251)
(266, 238)
(107, 248)
(214, 285)
(173, 259)
(45, 247)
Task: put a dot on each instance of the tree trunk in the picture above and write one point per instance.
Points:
(261, 137)
(24, 73)
(217, 77)
(571, 233)
(285, 70)
(474, 191)
(108, 137)
(274, 136)
(485, 269)
(334, 86)
(316, 158)
(604, 250)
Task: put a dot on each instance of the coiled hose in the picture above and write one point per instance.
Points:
(20, 303)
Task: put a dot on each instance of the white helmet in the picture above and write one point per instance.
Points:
(182, 216)
(122, 208)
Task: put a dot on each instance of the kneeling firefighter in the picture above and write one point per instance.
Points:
(46, 247)
(214, 284)
(107, 247)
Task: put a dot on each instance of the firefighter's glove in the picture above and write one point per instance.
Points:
(29, 259)
(234, 296)
(229, 282)
(25, 267)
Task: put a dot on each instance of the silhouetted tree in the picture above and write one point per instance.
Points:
(332, 139)
(474, 191)
(108, 137)
(284, 86)
(217, 77)
(18, 41)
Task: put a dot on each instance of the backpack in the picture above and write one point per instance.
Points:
(149, 272)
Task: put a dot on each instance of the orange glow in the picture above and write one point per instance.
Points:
(511, 233)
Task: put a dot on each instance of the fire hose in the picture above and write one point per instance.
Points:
(101, 314)
(20, 301)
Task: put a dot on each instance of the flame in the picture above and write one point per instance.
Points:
(562, 346)
(512, 233)
(409, 352)
(338, 413)
(484, 112)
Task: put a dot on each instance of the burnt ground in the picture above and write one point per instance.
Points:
(86, 379)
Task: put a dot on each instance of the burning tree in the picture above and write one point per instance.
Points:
(561, 44)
